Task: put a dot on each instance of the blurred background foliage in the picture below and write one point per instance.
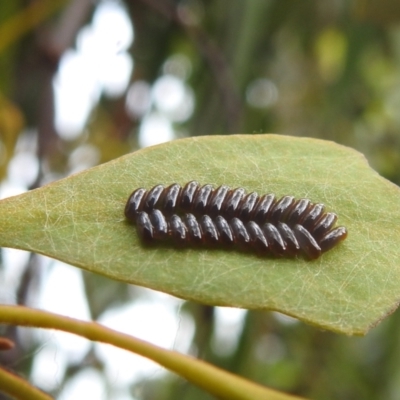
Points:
(329, 70)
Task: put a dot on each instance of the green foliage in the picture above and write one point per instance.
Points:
(80, 220)
(329, 70)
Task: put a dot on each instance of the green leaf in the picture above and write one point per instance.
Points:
(349, 289)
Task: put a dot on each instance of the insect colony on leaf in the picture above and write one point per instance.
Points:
(201, 215)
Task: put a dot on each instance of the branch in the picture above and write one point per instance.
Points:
(19, 388)
(220, 383)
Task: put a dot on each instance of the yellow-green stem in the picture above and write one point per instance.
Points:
(222, 384)
(18, 388)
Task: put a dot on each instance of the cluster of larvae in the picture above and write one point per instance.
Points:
(201, 215)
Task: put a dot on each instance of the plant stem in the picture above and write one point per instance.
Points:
(19, 388)
(222, 384)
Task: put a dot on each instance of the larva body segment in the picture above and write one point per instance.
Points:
(262, 208)
(224, 230)
(170, 198)
(209, 230)
(306, 242)
(201, 199)
(195, 235)
(144, 226)
(323, 225)
(133, 204)
(216, 201)
(275, 241)
(332, 238)
(187, 195)
(247, 206)
(152, 197)
(198, 214)
(297, 211)
(288, 236)
(178, 230)
(233, 202)
(312, 216)
(280, 209)
(160, 224)
(257, 237)
(240, 234)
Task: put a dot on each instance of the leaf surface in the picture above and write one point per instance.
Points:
(80, 220)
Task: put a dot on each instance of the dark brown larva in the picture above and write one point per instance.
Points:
(278, 240)
(204, 200)
(287, 225)
(199, 200)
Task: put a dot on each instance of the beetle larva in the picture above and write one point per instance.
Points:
(278, 240)
(196, 214)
